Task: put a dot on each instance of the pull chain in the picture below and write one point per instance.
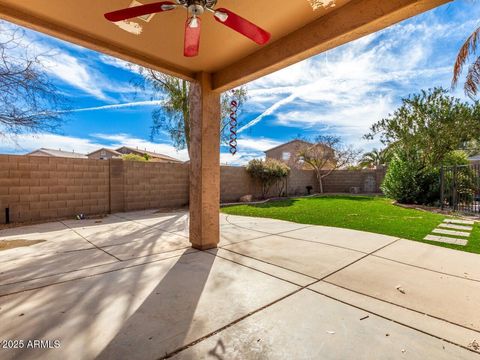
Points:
(233, 127)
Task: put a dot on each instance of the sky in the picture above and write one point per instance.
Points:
(340, 92)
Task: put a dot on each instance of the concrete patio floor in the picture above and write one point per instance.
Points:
(130, 287)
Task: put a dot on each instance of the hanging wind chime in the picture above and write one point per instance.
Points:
(233, 124)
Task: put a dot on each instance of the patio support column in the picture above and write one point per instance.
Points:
(204, 164)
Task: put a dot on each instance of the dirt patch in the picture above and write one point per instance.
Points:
(12, 244)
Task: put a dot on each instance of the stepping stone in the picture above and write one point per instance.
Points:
(447, 240)
(451, 232)
(456, 227)
(457, 221)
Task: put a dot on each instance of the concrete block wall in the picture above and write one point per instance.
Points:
(235, 182)
(41, 188)
(298, 181)
(341, 181)
(155, 185)
(36, 188)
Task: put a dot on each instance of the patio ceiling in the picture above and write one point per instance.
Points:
(299, 28)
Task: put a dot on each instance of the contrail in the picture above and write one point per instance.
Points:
(269, 111)
(118, 106)
(299, 91)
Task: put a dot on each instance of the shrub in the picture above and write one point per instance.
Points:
(269, 173)
(133, 157)
(409, 181)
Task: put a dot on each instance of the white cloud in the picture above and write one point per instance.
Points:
(70, 70)
(116, 62)
(349, 88)
(239, 159)
(248, 149)
(27, 143)
(257, 144)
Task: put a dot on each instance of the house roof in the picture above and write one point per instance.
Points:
(287, 143)
(105, 149)
(59, 153)
(150, 153)
(300, 29)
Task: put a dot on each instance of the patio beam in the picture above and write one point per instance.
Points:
(351, 21)
(97, 44)
(204, 164)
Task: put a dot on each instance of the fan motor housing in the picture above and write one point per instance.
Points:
(197, 7)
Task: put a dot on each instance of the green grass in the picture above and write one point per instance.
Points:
(367, 213)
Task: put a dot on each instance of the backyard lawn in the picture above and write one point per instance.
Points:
(367, 213)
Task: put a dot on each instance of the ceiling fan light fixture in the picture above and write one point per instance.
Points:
(221, 16)
(193, 22)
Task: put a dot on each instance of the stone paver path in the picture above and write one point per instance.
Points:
(458, 221)
(446, 240)
(456, 229)
(451, 232)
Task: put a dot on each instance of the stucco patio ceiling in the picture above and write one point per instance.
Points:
(299, 28)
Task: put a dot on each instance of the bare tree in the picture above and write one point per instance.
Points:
(29, 101)
(325, 155)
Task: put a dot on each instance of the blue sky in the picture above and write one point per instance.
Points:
(342, 91)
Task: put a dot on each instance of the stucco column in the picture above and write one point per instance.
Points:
(204, 164)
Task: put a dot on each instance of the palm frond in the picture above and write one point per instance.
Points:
(473, 79)
(468, 48)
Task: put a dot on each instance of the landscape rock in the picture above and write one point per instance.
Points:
(246, 198)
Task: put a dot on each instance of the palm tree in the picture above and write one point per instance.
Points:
(374, 159)
(472, 82)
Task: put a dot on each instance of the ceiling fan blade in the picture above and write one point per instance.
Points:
(141, 10)
(192, 36)
(242, 26)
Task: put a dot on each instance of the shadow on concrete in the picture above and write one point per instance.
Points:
(140, 242)
(164, 322)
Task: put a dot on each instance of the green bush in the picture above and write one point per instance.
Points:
(133, 157)
(269, 172)
(410, 182)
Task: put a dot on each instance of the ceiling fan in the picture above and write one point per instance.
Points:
(195, 8)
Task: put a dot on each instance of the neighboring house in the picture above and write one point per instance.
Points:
(474, 160)
(57, 153)
(104, 154)
(288, 153)
(153, 156)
